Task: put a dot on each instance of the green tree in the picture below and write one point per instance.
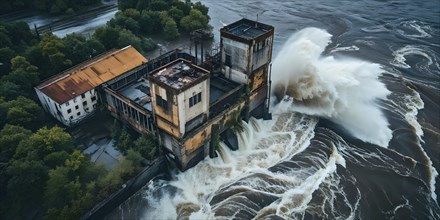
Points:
(170, 30)
(195, 20)
(6, 54)
(202, 8)
(175, 13)
(22, 111)
(78, 49)
(51, 48)
(27, 181)
(10, 137)
(147, 44)
(10, 90)
(126, 20)
(142, 4)
(69, 189)
(44, 142)
(158, 5)
(115, 131)
(5, 40)
(125, 4)
(108, 36)
(124, 141)
(126, 38)
(150, 22)
(147, 146)
(184, 6)
(135, 157)
(23, 74)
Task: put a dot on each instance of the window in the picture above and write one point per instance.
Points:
(195, 99)
(93, 98)
(228, 60)
(83, 96)
(261, 45)
(76, 107)
(79, 113)
(162, 103)
(84, 103)
(69, 111)
(86, 109)
(67, 104)
(71, 117)
(74, 100)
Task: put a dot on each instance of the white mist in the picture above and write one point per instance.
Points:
(342, 90)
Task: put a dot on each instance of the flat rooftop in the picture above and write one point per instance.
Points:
(138, 92)
(248, 29)
(223, 93)
(219, 87)
(90, 74)
(179, 74)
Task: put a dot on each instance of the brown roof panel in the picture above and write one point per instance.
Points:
(90, 74)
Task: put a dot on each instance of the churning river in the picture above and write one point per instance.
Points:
(355, 134)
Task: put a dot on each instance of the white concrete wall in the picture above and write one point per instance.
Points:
(239, 53)
(61, 111)
(235, 75)
(261, 57)
(187, 113)
(51, 107)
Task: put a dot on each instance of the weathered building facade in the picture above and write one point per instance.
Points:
(71, 96)
(246, 48)
(189, 107)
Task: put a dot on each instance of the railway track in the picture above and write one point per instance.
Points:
(69, 21)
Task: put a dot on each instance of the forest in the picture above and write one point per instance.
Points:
(42, 173)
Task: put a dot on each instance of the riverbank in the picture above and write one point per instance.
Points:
(128, 189)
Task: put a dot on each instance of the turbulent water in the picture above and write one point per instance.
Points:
(355, 130)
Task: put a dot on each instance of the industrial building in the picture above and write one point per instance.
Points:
(189, 102)
(71, 96)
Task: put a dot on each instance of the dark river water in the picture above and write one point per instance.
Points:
(356, 135)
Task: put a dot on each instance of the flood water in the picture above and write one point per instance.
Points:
(360, 141)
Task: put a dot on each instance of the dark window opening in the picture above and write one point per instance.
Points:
(162, 102)
(228, 60)
(93, 98)
(85, 103)
(69, 111)
(195, 99)
(76, 107)
(83, 96)
(79, 113)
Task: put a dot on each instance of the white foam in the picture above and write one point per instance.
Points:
(399, 56)
(350, 48)
(414, 103)
(261, 145)
(343, 90)
(295, 200)
(421, 29)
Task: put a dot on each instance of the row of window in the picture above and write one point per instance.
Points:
(192, 101)
(162, 103)
(138, 117)
(259, 46)
(82, 96)
(195, 99)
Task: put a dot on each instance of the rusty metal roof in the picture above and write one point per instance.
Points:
(90, 74)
